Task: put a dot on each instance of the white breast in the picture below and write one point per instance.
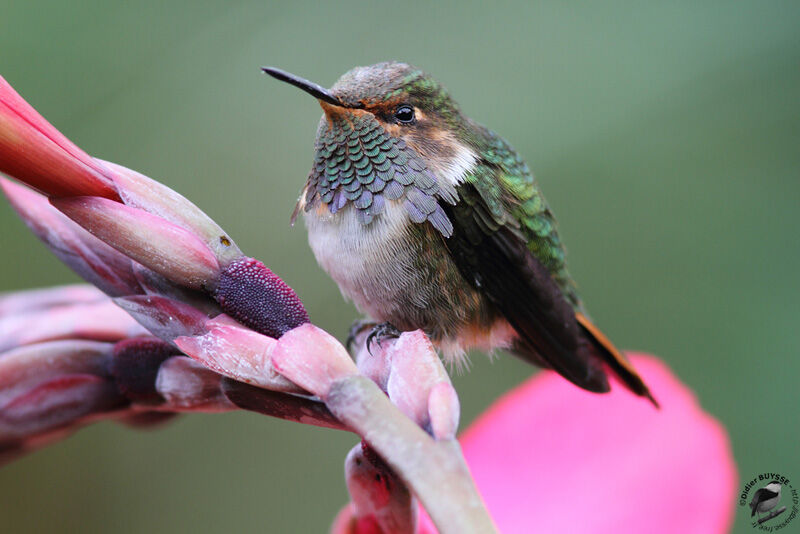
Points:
(374, 264)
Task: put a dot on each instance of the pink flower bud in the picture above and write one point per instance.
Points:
(93, 260)
(99, 321)
(139, 191)
(34, 152)
(41, 299)
(378, 495)
(49, 385)
(416, 371)
(30, 364)
(53, 403)
(373, 362)
(172, 251)
(444, 410)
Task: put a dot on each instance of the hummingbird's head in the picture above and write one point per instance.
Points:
(390, 105)
(395, 94)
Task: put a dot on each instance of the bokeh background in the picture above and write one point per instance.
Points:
(666, 137)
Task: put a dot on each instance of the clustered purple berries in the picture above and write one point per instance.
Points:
(256, 297)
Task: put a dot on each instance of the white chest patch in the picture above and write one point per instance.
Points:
(372, 264)
(451, 171)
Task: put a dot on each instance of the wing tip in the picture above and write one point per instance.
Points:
(592, 379)
(649, 396)
(616, 360)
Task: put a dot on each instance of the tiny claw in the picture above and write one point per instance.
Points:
(381, 331)
(355, 330)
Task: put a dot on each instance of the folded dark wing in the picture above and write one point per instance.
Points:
(495, 259)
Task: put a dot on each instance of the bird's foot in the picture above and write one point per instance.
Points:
(356, 329)
(380, 332)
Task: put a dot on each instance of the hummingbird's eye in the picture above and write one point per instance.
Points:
(404, 114)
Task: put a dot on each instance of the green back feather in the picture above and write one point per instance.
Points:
(513, 198)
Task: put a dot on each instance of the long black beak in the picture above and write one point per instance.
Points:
(311, 88)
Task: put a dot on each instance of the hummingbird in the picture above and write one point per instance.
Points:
(428, 220)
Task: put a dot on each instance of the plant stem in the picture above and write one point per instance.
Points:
(434, 470)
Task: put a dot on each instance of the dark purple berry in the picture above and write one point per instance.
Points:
(135, 367)
(256, 297)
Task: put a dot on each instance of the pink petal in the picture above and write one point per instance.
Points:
(312, 358)
(34, 152)
(549, 457)
(238, 353)
(189, 385)
(416, 372)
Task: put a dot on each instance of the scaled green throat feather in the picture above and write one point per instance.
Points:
(426, 219)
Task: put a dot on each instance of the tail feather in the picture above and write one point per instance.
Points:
(615, 359)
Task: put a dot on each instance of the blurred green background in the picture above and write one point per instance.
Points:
(665, 135)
